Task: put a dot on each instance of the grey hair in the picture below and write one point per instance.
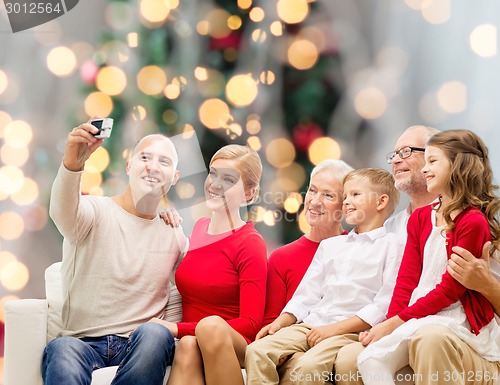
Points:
(428, 131)
(338, 169)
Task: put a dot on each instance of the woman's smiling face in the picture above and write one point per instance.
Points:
(224, 186)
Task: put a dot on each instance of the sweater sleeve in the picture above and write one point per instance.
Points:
(409, 270)
(252, 268)
(470, 233)
(72, 215)
(276, 289)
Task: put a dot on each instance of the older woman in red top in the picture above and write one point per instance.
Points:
(323, 213)
(222, 279)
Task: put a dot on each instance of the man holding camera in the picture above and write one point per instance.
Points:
(117, 258)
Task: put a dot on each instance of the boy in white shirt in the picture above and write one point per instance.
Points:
(347, 289)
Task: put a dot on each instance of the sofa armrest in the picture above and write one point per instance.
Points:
(25, 340)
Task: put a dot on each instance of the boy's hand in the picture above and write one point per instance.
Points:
(285, 319)
(320, 333)
(270, 329)
(381, 330)
(349, 325)
(265, 331)
(80, 145)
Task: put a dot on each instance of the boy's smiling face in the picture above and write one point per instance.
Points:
(360, 201)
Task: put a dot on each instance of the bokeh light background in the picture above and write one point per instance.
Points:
(299, 81)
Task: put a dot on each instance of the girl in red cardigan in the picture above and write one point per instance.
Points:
(456, 168)
(222, 278)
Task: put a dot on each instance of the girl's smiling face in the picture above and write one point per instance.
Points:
(437, 171)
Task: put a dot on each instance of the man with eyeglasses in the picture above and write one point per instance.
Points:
(407, 161)
(435, 352)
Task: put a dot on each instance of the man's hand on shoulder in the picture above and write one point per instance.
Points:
(80, 145)
(171, 217)
(474, 273)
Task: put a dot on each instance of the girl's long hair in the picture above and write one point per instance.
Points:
(471, 178)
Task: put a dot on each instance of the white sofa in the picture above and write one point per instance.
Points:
(31, 323)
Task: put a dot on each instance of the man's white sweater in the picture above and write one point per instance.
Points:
(115, 267)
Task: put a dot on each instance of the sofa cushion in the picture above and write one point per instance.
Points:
(53, 292)
(173, 312)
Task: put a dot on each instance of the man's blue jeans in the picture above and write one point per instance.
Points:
(142, 358)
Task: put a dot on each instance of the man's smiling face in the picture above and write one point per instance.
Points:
(407, 172)
(152, 168)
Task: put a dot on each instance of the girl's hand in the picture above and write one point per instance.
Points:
(362, 336)
(381, 330)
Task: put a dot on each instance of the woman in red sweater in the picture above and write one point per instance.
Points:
(222, 278)
(458, 170)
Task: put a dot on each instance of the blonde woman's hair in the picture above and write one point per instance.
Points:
(382, 182)
(471, 178)
(248, 163)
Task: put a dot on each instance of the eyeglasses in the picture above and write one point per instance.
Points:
(403, 153)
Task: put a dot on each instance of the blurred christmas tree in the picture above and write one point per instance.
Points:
(265, 75)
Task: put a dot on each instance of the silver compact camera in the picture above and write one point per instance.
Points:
(104, 125)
